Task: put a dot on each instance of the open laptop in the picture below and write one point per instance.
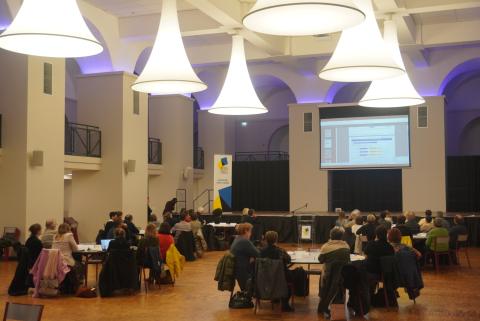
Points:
(104, 244)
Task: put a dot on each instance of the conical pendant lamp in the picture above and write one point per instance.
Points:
(361, 53)
(238, 97)
(50, 28)
(396, 91)
(302, 17)
(168, 70)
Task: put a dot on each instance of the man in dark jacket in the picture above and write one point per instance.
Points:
(457, 229)
(272, 251)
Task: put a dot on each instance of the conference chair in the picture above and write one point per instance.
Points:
(22, 312)
(438, 242)
(461, 246)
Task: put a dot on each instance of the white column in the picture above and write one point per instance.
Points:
(32, 120)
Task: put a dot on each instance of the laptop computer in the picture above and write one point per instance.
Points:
(104, 244)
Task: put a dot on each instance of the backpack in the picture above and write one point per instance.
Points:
(241, 300)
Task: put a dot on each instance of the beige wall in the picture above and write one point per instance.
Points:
(171, 121)
(106, 100)
(32, 121)
(424, 184)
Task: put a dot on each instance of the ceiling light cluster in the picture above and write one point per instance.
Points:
(56, 28)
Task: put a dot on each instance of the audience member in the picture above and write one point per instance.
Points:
(196, 225)
(333, 255)
(272, 251)
(427, 224)
(250, 217)
(437, 231)
(132, 228)
(165, 239)
(358, 241)
(457, 229)
(428, 213)
(182, 226)
(49, 234)
(395, 238)
(119, 242)
(150, 240)
(33, 244)
(445, 223)
(411, 222)
(385, 220)
(245, 211)
(403, 228)
(65, 243)
(244, 252)
(341, 221)
(376, 249)
(368, 229)
(118, 223)
(110, 223)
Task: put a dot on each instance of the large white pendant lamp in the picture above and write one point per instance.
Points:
(396, 91)
(50, 28)
(168, 70)
(302, 17)
(238, 97)
(361, 53)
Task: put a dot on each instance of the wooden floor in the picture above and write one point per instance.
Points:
(450, 295)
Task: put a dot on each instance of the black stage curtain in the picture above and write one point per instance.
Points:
(369, 190)
(463, 184)
(263, 186)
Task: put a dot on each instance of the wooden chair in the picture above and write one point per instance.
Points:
(438, 241)
(22, 312)
(460, 246)
(11, 233)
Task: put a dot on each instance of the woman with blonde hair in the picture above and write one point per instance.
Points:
(245, 253)
(65, 243)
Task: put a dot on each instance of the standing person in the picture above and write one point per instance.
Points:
(272, 251)
(65, 243)
(33, 244)
(334, 255)
(170, 206)
(245, 253)
(132, 228)
(49, 234)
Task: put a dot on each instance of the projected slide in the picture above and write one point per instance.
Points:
(365, 142)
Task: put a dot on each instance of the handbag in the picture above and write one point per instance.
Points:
(240, 300)
(86, 292)
(48, 287)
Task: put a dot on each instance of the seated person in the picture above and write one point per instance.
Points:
(182, 226)
(119, 242)
(245, 253)
(196, 225)
(272, 251)
(132, 228)
(49, 234)
(333, 255)
(428, 213)
(109, 224)
(445, 223)
(358, 242)
(341, 221)
(403, 228)
(165, 239)
(118, 223)
(377, 249)
(385, 220)
(368, 229)
(437, 231)
(150, 240)
(395, 237)
(411, 223)
(427, 224)
(65, 242)
(249, 217)
(457, 229)
(154, 220)
(217, 215)
(33, 244)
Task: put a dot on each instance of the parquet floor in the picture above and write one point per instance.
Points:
(451, 295)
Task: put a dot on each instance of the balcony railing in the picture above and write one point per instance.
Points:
(198, 158)
(261, 156)
(154, 151)
(83, 140)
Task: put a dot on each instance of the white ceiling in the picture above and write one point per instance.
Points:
(447, 16)
(126, 8)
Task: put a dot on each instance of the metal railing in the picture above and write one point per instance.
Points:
(83, 140)
(198, 158)
(200, 200)
(154, 151)
(261, 156)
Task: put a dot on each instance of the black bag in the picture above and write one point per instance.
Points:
(221, 243)
(378, 299)
(241, 300)
(301, 285)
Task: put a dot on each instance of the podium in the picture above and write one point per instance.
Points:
(306, 229)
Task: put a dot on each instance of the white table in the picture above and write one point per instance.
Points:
(311, 257)
(420, 236)
(223, 225)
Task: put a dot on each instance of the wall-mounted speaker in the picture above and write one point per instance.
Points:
(130, 166)
(37, 158)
